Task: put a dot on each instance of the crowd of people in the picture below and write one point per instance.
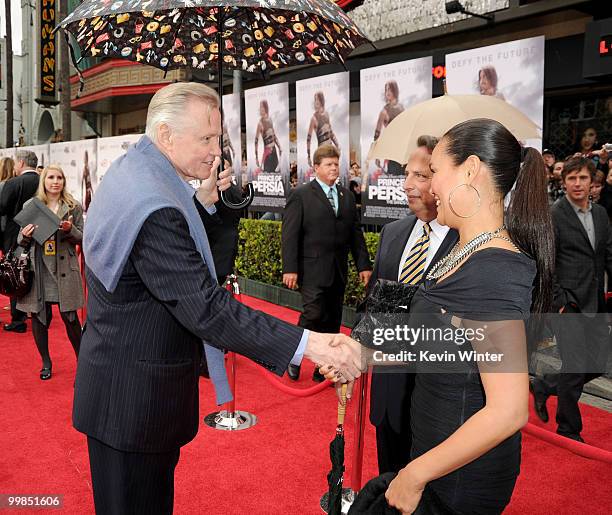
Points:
(482, 245)
(587, 147)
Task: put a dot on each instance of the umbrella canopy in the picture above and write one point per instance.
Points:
(435, 117)
(249, 35)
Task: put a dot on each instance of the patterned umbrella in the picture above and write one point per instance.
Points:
(249, 35)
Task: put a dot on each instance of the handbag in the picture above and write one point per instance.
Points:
(16, 274)
(385, 304)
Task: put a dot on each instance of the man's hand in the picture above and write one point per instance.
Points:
(338, 350)
(364, 276)
(290, 281)
(207, 192)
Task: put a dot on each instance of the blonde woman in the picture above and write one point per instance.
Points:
(57, 279)
(7, 169)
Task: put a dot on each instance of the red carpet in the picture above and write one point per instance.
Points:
(279, 466)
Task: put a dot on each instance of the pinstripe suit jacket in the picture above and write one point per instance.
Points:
(137, 377)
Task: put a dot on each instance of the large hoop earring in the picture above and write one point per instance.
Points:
(450, 201)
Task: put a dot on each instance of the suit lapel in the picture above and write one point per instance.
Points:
(318, 191)
(62, 211)
(575, 221)
(397, 246)
(343, 200)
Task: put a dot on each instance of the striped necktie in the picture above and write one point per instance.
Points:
(332, 201)
(414, 266)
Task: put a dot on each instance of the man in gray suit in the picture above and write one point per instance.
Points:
(153, 298)
(391, 392)
(583, 254)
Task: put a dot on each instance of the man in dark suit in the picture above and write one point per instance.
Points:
(320, 227)
(391, 392)
(222, 230)
(16, 192)
(583, 254)
(153, 298)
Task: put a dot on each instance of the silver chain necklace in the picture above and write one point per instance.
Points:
(457, 255)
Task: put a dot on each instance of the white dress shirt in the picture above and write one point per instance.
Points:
(436, 237)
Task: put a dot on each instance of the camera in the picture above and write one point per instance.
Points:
(607, 147)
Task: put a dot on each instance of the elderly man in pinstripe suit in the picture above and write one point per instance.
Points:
(153, 298)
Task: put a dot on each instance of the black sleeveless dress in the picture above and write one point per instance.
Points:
(492, 284)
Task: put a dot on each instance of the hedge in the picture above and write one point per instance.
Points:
(259, 256)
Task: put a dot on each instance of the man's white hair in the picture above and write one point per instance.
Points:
(169, 106)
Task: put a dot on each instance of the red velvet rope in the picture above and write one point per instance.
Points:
(296, 392)
(581, 449)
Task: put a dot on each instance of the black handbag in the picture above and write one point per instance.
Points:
(385, 304)
(16, 275)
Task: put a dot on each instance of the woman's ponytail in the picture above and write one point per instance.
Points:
(530, 225)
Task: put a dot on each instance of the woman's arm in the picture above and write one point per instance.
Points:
(504, 413)
(75, 234)
(277, 143)
(380, 124)
(24, 238)
(311, 128)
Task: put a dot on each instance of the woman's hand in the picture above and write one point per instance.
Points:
(66, 225)
(405, 491)
(28, 230)
(335, 377)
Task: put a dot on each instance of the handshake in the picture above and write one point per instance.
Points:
(341, 358)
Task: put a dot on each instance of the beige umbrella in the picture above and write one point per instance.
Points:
(436, 116)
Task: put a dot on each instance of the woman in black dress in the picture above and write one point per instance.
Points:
(466, 415)
(466, 419)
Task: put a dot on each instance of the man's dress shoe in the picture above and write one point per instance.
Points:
(16, 327)
(293, 371)
(572, 436)
(317, 377)
(539, 399)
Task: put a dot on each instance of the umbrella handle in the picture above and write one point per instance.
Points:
(245, 202)
(342, 406)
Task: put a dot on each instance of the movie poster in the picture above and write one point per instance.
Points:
(7, 152)
(41, 151)
(387, 91)
(232, 144)
(110, 149)
(512, 71)
(78, 160)
(267, 143)
(322, 117)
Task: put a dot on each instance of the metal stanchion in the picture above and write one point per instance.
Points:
(230, 419)
(349, 494)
